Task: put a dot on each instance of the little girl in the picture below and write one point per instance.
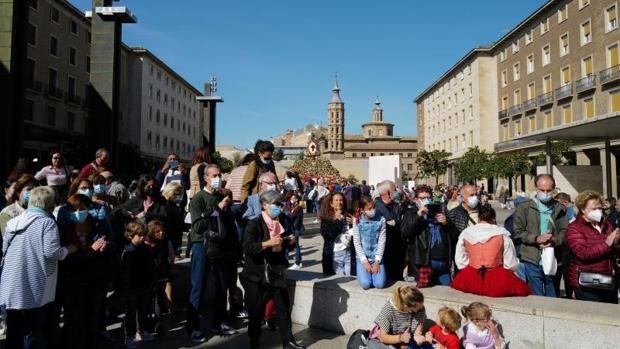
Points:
(443, 334)
(163, 255)
(398, 319)
(481, 332)
(369, 240)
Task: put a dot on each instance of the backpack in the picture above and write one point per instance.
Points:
(358, 339)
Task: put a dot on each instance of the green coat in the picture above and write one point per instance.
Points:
(527, 226)
(200, 208)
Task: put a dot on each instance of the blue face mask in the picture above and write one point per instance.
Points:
(265, 161)
(216, 182)
(543, 197)
(99, 189)
(25, 197)
(79, 216)
(86, 192)
(426, 201)
(274, 211)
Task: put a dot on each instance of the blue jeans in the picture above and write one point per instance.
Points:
(539, 283)
(368, 280)
(317, 207)
(440, 272)
(236, 211)
(342, 262)
(200, 266)
(297, 247)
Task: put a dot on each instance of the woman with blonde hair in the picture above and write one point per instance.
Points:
(173, 193)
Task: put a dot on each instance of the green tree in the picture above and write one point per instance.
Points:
(432, 163)
(559, 155)
(278, 155)
(474, 165)
(300, 156)
(237, 159)
(509, 165)
(225, 164)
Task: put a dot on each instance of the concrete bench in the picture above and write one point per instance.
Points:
(338, 304)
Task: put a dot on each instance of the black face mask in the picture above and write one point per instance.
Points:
(150, 192)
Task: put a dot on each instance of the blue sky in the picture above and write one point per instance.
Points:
(276, 59)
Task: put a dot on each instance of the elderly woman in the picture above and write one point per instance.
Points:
(19, 197)
(264, 272)
(593, 242)
(28, 283)
(57, 175)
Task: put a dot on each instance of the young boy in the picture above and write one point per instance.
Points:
(137, 282)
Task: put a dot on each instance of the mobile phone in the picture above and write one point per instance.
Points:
(173, 164)
(433, 210)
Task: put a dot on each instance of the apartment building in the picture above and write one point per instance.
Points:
(56, 75)
(160, 113)
(458, 110)
(559, 78)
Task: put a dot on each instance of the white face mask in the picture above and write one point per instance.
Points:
(271, 187)
(472, 201)
(216, 182)
(595, 215)
(371, 213)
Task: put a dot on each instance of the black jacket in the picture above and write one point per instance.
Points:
(458, 220)
(229, 247)
(416, 235)
(255, 257)
(137, 269)
(330, 230)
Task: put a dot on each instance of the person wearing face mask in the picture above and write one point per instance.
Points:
(264, 271)
(539, 223)
(595, 244)
(369, 241)
(466, 213)
(251, 207)
(387, 208)
(19, 198)
(82, 284)
(430, 245)
(173, 193)
(263, 163)
(202, 205)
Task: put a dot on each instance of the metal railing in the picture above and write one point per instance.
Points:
(587, 83)
(529, 104)
(515, 109)
(564, 91)
(609, 74)
(502, 113)
(545, 99)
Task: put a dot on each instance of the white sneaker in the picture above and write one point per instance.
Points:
(144, 336)
(295, 266)
(316, 220)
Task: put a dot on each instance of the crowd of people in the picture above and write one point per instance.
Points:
(72, 240)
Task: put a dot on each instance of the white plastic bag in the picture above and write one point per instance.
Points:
(549, 263)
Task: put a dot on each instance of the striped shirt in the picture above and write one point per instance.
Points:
(235, 180)
(393, 321)
(30, 268)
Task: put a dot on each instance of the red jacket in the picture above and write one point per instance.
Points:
(590, 252)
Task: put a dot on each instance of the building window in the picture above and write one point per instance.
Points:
(516, 72)
(546, 55)
(611, 18)
(544, 26)
(51, 115)
(504, 78)
(565, 75)
(157, 117)
(518, 128)
(53, 46)
(583, 3)
(151, 91)
(157, 141)
(31, 35)
(586, 66)
(74, 27)
(30, 70)
(532, 126)
(548, 116)
(52, 79)
(505, 132)
(530, 64)
(567, 114)
(502, 55)
(165, 142)
(149, 138)
(547, 84)
(150, 113)
(504, 102)
(612, 56)
(564, 45)
(172, 122)
(158, 95)
(529, 37)
(88, 64)
(517, 97)
(531, 90)
(165, 119)
(70, 121)
(34, 4)
(615, 101)
(515, 46)
(471, 138)
(586, 33)
(563, 13)
(363, 155)
(28, 109)
(353, 155)
(588, 107)
(54, 14)
(89, 36)
(72, 54)
(471, 112)
(71, 86)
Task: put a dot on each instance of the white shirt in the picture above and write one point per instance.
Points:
(481, 233)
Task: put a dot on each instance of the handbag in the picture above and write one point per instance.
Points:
(549, 262)
(597, 281)
(217, 233)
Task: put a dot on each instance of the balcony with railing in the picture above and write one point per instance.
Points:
(609, 75)
(515, 110)
(564, 91)
(53, 91)
(585, 84)
(502, 114)
(545, 99)
(530, 104)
